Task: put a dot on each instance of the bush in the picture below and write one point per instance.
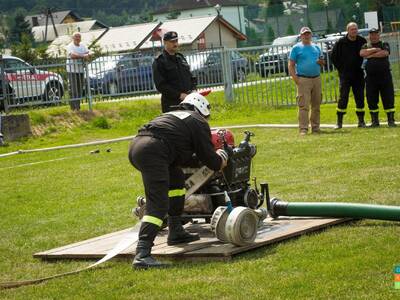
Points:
(101, 122)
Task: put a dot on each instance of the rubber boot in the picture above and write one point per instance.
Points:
(143, 258)
(339, 123)
(177, 234)
(361, 122)
(390, 117)
(374, 120)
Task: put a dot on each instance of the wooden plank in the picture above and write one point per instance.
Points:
(208, 247)
(288, 228)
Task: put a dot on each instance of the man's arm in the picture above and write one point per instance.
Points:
(367, 52)
(335, 55)
(379, 54)
(76, 55)
(292, 71)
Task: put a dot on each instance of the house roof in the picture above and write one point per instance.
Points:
(64, 29)
(58, 17)
(58, 47)
(114, 39)
(180, 5)
(190, 29)
(124, 38)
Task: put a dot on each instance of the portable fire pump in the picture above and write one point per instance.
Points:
(234, 179)
(232, 183)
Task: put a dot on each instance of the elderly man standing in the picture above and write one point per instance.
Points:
(77, 53)
(172, 76)
(347, 60)
(305, 61)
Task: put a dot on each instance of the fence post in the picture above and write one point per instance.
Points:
(227, 74)
(3, 83)
(88, 91)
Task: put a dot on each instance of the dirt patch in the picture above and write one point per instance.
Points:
(69, 120)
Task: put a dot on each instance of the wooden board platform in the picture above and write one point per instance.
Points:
(207, 248)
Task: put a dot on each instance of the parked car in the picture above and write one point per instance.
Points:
(121, 74)
(207, 67)
(275, 60)
(23, 81)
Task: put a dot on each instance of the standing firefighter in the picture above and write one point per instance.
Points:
(172, 76)
(347, 60)
(379, 78)
(160, 149)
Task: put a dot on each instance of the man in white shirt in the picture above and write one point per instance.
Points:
(77, 53)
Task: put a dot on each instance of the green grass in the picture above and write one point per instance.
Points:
(50, 199)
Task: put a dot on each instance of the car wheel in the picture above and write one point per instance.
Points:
(53, 92)
(240, 75)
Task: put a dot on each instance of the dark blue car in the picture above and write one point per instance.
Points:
(120, 74)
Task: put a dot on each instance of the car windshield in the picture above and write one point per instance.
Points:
(199, 60)
(287, 40)
(103, 64)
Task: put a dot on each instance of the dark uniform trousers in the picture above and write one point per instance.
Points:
(357, 84)
(163, 183)
(380, 83)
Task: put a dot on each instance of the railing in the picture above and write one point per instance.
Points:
(250, 75)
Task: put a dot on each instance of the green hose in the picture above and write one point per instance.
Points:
(335, 210)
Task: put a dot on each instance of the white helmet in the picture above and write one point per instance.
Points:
(199, 102)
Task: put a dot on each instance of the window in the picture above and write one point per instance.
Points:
(14, 65)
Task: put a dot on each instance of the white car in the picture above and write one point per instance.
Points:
(26, 81)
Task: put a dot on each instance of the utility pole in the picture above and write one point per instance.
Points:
(49, 14)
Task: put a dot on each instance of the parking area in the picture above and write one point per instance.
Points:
(253, 74)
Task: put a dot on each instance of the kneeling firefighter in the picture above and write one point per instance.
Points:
(159, 150)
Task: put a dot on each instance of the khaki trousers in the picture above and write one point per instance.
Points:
(309, 93)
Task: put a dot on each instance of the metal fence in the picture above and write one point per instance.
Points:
(248, 75)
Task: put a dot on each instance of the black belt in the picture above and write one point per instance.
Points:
(308, 76)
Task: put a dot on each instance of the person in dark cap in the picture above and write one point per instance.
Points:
(378, 78)
(172, 76)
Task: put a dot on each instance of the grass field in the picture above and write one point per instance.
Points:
(50, 199)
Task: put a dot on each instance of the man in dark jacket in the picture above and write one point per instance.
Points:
(379, 78)
(347, 60)
(172, 76)
(160, 149)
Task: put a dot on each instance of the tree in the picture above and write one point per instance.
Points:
(290, 30)
(97, 51)
(24, 49)
(330, 28)
(253, 39)
(19, 28)
(275, 8)
(173, 15)
(270, 35)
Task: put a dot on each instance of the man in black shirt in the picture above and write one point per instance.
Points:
(379, 78)
(159, 151)
(347, 60)
(172, 76)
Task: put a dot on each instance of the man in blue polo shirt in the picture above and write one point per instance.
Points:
(305, 61)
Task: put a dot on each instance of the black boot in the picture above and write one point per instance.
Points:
(177, 234)
(143, 258)
(390, 117)
(361, 122)
(374, 119)
(339, 123)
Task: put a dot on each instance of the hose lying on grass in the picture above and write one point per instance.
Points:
(127, 138)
